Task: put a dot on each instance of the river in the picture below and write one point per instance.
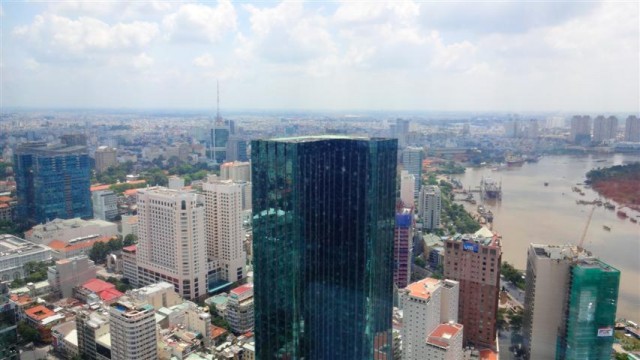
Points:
(530, 212)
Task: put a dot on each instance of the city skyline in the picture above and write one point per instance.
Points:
(352, 55)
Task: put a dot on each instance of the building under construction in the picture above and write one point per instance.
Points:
(571, 300)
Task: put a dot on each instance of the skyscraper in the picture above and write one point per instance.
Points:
(402, 249)
(171, 240)
(605, 128)
(407, 188)
(474, 261)
(402, 131)
(580, 129)
(223, 229)
(52, 182)
(323, 219)
(430, 206)
(632, 129)
(105, 158)
(412, 162)
(570, 304)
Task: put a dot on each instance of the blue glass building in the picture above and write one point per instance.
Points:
(52, 182)
(323, 222)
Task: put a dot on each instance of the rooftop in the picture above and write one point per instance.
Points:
(62, 246)
(242, 289)
(441, 335)
(97, 285)
(130, 248)
(422, 289)
(39, 313)
(12, 245)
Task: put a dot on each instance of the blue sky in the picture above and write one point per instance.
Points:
(370, 55)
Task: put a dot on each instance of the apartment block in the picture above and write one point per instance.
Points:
(430, 206)
(239, 312)
(133, 330)
(407, 188)
(402, 250)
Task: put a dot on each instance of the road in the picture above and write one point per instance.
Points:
(515, 293)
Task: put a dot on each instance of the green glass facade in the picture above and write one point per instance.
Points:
(323, 221)
(590, 312)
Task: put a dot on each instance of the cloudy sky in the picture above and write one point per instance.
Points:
(370, 55)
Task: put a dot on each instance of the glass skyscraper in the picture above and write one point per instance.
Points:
(323, 222)
(53, 181)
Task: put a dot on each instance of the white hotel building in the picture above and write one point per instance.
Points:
(171, 240)
(224, 231)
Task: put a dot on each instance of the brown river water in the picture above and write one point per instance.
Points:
(530, 212)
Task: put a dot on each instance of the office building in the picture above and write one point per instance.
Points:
(105, 205)
(8, 326)
(474, 261)
(580, 130)
(402, 249)
(15, 253)
(66, 274)
(605, 128)
(430, 315)
(105, 158)
(91, 328)
(171, 240)
(632, 129)
(323, 220)
(223, 230)
(237, 149)
(407, 188)
(129, 225)
(220, 133)
(402, 132)
(430, 206)
(52, 182)
(412, 162)
(133, 330)
(570, 304)
(240, 310)
(236, 171)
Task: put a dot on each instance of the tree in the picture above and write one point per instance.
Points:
(28, 333)
(130, 239)
(420, 262)
(515, 320)
(98, 252)
(115, 244)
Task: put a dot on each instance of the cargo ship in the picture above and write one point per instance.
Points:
(490, 189)
(513, 161)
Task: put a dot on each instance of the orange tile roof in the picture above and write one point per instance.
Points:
(442, 333)
(110, 294)
(64, 247)
(97, 286)
(39, 313)
(242, 289)
(130, 248)
(488, 354)
(21, 299)
(3, 206)
(419, 288)
(141, 181)
(99, 187)
(4, 199)
(217, 331)
(131, 192)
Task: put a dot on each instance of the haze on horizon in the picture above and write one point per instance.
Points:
(397, 55)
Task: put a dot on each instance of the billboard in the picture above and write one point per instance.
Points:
(608, 331)
(470, 246)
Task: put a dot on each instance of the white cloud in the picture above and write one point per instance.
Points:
(142, 61)
(196, 22)
(61, 37)
(205, 61)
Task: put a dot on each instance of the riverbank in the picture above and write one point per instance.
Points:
(619, 183)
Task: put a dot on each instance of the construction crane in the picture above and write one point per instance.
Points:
(586, 227)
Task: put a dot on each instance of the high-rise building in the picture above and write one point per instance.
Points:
(412, 162)
(91, 326)
(105, 158)
(580, 129)
(52, 182)
(604, 128)
(513, 129)
(133, 330)
(407, 188)
(236, 171)
(632, 129)
(474, 261)
(402, 249)
(430, 315)
(430, 206)
(533, 129)
(240, 310)
(220, 134)
(570, 304)
(402, 131)
(171, 240)
(323, 220)
(237, 149)
(223, 230)
(105, 205)
(67, 274)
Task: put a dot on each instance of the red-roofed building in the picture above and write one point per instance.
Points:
(99, 187)
(109, 296)
(240, 309)
(97, 285)
(43, 319)
(445, 342)
(6, 208)
(488, 354)
(106, 291)
(129, 265)
(64, 250)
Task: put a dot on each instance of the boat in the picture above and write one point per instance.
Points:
(513, 161)
(546, 184)
(622, 214)
(606, 227)
(633, 220)
(609, 206)
(490, 189)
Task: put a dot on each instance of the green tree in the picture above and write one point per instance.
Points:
(115, 244)
(515, 320)
(420, 262)
(130, 239)
(98, 252)
(27, 332)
